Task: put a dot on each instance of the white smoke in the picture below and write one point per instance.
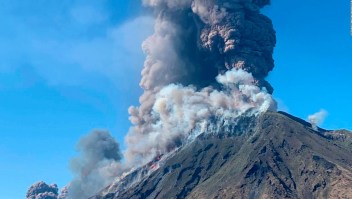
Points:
(317, 118)
(181, 111)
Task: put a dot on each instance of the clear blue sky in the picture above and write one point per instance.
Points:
(70, 66)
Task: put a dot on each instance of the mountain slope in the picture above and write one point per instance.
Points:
(272, 156)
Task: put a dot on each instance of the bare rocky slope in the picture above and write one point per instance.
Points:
(272, 156)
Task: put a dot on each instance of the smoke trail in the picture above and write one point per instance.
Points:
(317, 118)
(41, 190)
(195, 42)
(97, 166)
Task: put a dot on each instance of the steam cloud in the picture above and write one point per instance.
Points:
(206, 59)
(317, 118)
(179, 113)
(97, 166)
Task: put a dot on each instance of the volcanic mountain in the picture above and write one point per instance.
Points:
(274, 155)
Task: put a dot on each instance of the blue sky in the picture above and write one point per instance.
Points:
(70, 66)
(313, 59)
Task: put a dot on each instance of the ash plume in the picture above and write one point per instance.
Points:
(96, 167)
(41, 190)
(317, 118)
(195, 40)
(206, 58)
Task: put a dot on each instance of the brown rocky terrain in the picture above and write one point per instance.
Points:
(272, 156)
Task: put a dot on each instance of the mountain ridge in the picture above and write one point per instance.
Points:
(274, 155)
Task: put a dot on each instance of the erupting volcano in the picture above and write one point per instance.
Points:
(207, 125)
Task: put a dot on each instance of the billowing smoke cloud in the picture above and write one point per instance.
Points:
(41, 190)
(317, 118)
(206, 64)
(179, 112)
(96, 167)
(194, 44)
(195, 40)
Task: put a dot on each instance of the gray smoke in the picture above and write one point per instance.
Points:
(96, 167)
(195, 40)
(41, 190)
(194, 44)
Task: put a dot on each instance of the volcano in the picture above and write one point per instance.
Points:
(274, 155)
